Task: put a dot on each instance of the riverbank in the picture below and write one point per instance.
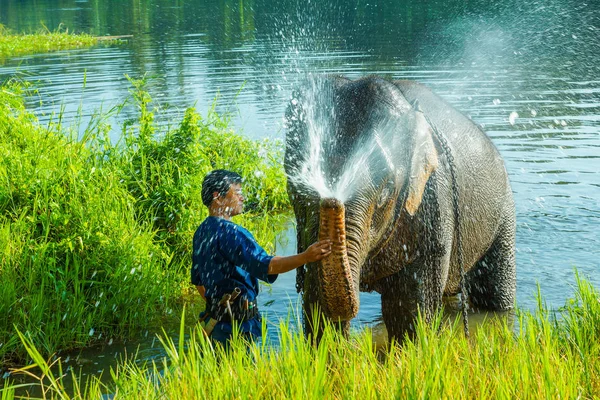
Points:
(549, 355)
(96, 236)
(16, 44)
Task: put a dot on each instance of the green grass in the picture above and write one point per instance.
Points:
(95, 237)
(13, 44)
(548, 357)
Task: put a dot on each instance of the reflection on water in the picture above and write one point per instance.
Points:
(527, 71)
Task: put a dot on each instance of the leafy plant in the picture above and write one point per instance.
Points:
(96, 236)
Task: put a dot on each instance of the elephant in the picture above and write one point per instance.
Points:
(414, 196)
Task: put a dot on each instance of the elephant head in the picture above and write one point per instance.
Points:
(357, 154)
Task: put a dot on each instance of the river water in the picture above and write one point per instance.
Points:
(527, 71)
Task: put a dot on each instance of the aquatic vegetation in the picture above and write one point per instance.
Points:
(95, 236)
(548, 356)
(13, 44)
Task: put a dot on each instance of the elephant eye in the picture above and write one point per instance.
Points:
(383, 196)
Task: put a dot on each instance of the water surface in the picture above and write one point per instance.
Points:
(527, 71)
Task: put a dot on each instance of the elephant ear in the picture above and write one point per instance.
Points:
(424, 161)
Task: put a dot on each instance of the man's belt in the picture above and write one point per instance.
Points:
(232, 307)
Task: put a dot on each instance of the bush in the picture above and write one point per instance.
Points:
(96, 236)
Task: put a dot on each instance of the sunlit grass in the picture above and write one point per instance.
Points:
(95, 236)
(14, 44)
(548, 357)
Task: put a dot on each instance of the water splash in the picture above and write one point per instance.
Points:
(373, 153)
(314, 112)
(367, 157)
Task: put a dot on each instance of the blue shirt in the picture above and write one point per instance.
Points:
(226, 256)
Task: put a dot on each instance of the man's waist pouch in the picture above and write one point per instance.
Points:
(241, 310)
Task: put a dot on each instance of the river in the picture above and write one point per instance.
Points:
(527, 71)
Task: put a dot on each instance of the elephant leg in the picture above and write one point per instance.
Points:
(306, 277)
(492, 281)
(417, 287)
(315, 323)
(310, 304)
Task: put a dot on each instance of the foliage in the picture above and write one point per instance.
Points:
(95, 236)
(12, 44)
(165, 176)
(547, 357)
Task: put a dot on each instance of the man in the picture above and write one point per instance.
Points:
(226, 258)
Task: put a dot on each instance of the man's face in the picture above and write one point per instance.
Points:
(233, 202)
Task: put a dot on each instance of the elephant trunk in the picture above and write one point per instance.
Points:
(338, 290)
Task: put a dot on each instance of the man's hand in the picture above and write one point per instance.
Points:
(317, 251)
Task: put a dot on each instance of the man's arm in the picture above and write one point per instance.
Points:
(317, 251)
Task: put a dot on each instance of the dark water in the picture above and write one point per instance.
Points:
(528, 71)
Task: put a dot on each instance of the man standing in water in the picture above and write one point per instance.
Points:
(227, 261)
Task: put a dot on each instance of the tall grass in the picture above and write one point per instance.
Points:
(549, 356)
(13, 44)
(95, 236)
